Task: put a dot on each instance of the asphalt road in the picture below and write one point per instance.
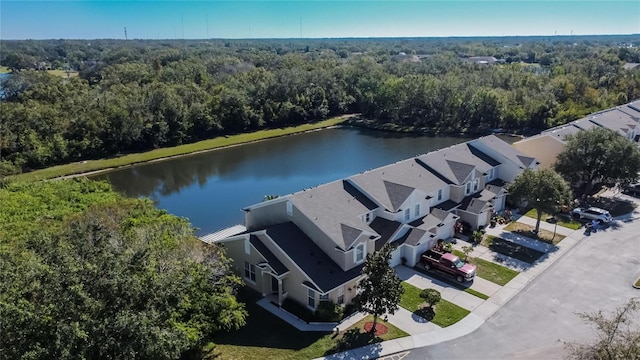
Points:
(596, 274)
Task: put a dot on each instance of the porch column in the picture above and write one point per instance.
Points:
(280, 299)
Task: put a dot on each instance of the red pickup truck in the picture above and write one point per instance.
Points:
(448, 263)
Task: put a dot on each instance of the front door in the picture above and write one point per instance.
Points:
(274, 285)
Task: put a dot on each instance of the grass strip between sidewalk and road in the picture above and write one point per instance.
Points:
(444, 313)
(476, 293)
(130, 159)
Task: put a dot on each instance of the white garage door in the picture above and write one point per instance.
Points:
(396, 257)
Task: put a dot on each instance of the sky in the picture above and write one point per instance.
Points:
(83, 19)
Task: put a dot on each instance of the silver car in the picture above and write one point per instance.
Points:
(592, 213)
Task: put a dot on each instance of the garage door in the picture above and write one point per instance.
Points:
(396, 257)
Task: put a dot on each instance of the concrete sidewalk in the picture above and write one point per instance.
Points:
(478, 315)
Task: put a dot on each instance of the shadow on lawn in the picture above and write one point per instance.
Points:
(426, 313)
(265, 330)
(356, 338)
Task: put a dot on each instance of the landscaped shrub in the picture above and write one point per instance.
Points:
(431, 296)
(329, 311)
(476, 237)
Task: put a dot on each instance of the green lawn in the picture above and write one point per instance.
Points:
(562, 220)
(444, 313)
(63, 73)
(487, 270)
(493, 272)
(101, 164)
(476, 293)
(267, 337)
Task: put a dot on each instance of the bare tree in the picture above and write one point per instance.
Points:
(618, 335)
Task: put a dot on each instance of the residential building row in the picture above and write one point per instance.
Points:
(310, 246)
(624, 119)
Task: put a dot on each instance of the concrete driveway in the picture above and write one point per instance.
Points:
(596, 274)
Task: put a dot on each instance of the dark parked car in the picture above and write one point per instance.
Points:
(632, 189)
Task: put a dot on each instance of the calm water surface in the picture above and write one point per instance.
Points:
(211, 188)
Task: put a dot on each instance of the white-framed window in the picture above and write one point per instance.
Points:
(439, 194)
(289, 208)
(467, 190)
(324, 297)
(311, 298)
(492, 173)
(417, 210)
(367, 217)
(407, 214)
(359, 253)
(476, 184)
(340, 299)
(249, 271)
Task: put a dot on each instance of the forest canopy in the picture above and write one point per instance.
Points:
(87, 273)
(137, 95)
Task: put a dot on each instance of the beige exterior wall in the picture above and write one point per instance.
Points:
(236, 251)
(544, 148)
(456, 193)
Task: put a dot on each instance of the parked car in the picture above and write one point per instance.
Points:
(448, 263)
(632, 189)
(592, 213)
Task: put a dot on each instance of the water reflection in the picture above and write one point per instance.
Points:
(211, 188)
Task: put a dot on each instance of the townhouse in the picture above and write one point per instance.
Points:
(310, 246)
(624, 119)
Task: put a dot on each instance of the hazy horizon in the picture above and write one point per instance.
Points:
(197, 20)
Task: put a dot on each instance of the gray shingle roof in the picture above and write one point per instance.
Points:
(457, 162)
(505, 149)
(317, 265)
(336, 209)
(385, 228)
(272, 260)
(413, 236)
(474, 203)
(397, 193)
(391, 185)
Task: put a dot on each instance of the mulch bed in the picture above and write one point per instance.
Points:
(380, 328)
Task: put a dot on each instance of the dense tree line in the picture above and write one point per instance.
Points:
(87, 274)
(137, 95)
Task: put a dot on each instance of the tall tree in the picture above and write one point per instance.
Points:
(599, 155)
(545, 190)
(381, 290)
(116, 279)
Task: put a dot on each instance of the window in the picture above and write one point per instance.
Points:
(417, 212)
(407, 214)
(324, 297)
(289, 208)
(367, 217)
(340, 296)
(359, 253)
(468, 188)
(311, 295)
(249, 271)
(439, 194)
(476, 184)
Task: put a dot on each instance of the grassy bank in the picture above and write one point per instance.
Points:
(219, 142)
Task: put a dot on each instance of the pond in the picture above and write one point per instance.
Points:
(211, 188)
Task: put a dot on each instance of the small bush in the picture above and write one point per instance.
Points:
(329, 311)
(476, 237)
(431, 296)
